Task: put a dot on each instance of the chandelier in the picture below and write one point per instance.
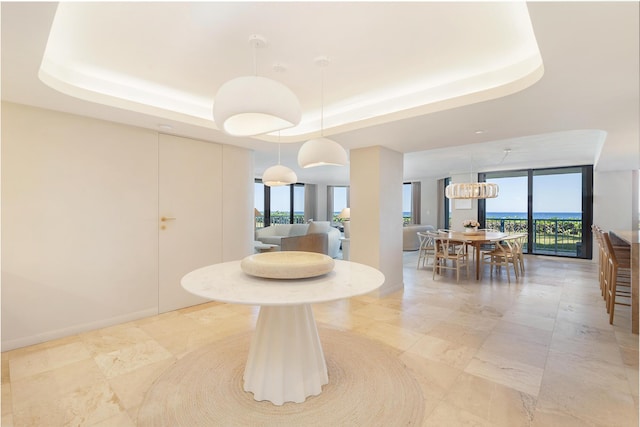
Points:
(472, 190)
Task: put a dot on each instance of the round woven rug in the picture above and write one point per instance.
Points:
(368, 386)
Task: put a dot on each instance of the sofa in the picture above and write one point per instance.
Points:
(275, 233)
(410, 240)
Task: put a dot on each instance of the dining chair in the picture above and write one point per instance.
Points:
(502, 255)
(454, 242)
(488, 246)
(518, 249)
(449, 250)
(426, 249)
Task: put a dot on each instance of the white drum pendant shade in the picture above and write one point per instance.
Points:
(473, 190)
(254, 105)
(278, 175)
(321, 152)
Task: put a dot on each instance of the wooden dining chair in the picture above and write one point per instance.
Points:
(427, 248)
(450, 250)
(502, 255)
(518, 250)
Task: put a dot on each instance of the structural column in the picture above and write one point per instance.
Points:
(376, 212)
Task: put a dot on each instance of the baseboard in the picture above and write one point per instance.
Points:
(388, 288)
(76, 329)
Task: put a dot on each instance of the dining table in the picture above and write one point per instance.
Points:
(476, 239)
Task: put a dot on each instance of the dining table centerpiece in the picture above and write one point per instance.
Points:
(470, 226)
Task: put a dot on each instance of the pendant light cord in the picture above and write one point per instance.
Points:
(278, 147)
(255, 60)
(321, 102)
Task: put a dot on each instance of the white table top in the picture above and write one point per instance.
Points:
(226, 282)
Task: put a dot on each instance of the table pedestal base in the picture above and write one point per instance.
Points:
(286, 362)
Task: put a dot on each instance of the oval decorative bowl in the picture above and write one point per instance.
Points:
(287, 265)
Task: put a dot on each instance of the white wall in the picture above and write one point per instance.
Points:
(612, 200)
(429, 202)
(80, 223)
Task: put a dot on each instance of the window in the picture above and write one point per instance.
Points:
(279, 205)
(337, 199)
(406, 203)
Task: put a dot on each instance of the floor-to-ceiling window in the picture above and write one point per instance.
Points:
(338, 199)
(552, 206)
(278, 205)
(298, 203)
(411, 202)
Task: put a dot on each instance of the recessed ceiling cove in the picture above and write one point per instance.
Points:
(388, 60)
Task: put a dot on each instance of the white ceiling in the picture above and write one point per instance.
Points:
(583, 110)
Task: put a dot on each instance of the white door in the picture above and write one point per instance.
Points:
(190, 215)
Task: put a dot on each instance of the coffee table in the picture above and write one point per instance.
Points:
(285, 361)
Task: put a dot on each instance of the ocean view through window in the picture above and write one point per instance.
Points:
(553, 207)
(278, 205)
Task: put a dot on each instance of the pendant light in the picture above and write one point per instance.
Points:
(254, 105)
(321, 151)
(278, 175)
(472, 190)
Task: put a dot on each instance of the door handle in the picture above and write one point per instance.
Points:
(167, 218)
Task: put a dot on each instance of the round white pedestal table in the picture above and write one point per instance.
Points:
(285, 361)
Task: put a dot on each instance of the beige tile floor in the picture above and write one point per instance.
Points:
(536, 352)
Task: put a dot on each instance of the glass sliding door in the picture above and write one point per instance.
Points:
(558, 212)
(552, 206)
(509, 211)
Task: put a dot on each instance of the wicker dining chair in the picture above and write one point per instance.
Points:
(450, 250)
(427, 248)
(502, 255)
